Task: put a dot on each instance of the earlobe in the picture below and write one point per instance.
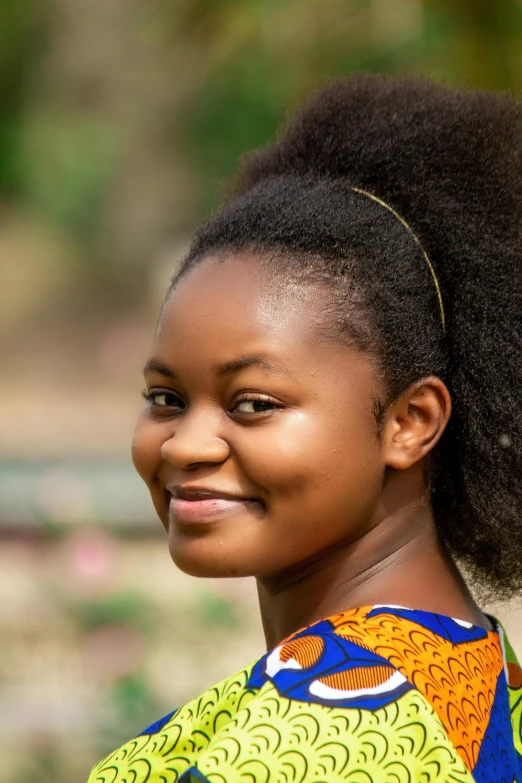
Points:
(415, 422)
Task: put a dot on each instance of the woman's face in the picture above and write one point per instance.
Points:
(258, 442)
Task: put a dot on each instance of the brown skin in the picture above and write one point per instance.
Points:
(338, 516)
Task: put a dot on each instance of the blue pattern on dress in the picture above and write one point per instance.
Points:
(498, 760)
(339, 655)
(154, 728)
(193, 775)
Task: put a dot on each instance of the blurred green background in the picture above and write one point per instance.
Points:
(119, 122)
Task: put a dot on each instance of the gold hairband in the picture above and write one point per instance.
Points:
(416, 239)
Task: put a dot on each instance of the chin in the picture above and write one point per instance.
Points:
(197, 558)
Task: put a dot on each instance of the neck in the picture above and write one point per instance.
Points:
(398, 561)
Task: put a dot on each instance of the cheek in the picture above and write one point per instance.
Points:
(146, 456)
(146, 449)
(308, 453)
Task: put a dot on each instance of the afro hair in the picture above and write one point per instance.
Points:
(450, 163)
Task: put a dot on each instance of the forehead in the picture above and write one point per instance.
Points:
(237, 302)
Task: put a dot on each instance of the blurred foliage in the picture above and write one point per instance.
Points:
(214, 612)
(128, 147)
(43, 764)
(129, 706)
(22, 37)
(265, 56)
(478, 42)
(64, 169)
(128, 609)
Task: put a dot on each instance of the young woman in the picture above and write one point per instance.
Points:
(333, 407)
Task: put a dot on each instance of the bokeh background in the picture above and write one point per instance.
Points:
(119, 121)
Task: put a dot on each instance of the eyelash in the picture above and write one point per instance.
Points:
(149, 397)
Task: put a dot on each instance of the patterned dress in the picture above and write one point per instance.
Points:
(381, 694)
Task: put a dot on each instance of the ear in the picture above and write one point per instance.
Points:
(415, 422)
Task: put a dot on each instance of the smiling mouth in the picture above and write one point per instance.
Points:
(197, 507)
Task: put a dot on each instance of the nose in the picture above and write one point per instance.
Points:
(196, 441)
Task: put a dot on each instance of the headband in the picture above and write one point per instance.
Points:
(417, 242)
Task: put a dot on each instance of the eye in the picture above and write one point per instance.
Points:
(163, 399)
(250, 406)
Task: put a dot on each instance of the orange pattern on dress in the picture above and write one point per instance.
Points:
(355, 679)
(514, 675)
(305, 651)
(461, 689)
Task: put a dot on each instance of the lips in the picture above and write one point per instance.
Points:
(192, 506)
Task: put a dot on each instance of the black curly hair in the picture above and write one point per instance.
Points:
(450, 163)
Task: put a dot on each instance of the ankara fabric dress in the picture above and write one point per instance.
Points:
(374, 695)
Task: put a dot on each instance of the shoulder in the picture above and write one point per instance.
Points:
(320, 706)
(327, 707)
(346, 697)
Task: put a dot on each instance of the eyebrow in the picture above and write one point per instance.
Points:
(228, 368)
(154, 365)
(254, 360)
